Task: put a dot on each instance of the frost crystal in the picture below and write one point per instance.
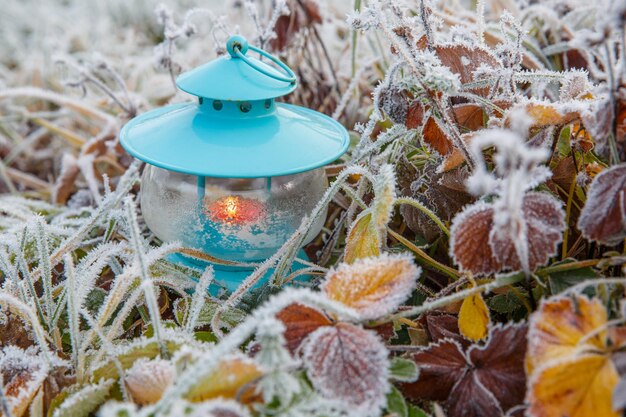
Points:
(148, 379)
(350, 364)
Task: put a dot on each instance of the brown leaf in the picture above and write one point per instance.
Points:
(469, 243)
(300, 321)
(442, 326)
(545, 222)
(468, 117)
(348, 363)
(479, 248)
(480, 381)
(603, 218)
(443, 193)
(440, 366)
(64, 184)
(14, 331)
(302, 14)
(23, 375)
(501, 364)
(415, 116)
(463, 61)
(435, 138)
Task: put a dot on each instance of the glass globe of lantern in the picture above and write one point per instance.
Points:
(233, 174)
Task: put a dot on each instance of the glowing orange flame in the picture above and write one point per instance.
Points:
(235, 210)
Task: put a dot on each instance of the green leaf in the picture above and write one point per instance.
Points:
(396, 403)
(403, 370)
(230, 317)
(415, 411)
(81, 402)
(560, 281)
(150, 351)
(505, 303)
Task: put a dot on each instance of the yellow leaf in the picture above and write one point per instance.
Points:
(547, 115)
(363, 240)
(373, 287)
(580, 386)
(474, 317)
(569, 360)
(562, 327)
(226, 381)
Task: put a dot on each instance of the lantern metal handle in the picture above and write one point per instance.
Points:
(237, 46)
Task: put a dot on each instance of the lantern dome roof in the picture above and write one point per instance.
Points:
(191, 139)
(236, 76)
(236, 129)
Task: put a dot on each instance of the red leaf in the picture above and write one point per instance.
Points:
(500, 364)
(442, 326)
(482, 381)
(603, 218)
(464, 61)
(300, 321)
(545, 221)
(468, 117)
(348, 363)
(470, 240)
(440, 365)
(477, 247)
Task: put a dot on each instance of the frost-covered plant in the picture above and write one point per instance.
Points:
(490, 141)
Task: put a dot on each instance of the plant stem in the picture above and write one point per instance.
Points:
(451, 272)
(414, 203)
(568, 266)
(444, 301)
(355, 38)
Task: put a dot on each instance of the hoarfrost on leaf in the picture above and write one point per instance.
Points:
(350, 364)
(373, 287)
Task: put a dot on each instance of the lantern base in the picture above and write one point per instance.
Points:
(230, 278)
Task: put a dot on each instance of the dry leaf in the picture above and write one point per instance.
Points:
(373, 287)
(474, 317)
(545, 115)
(464, 61)
(302, 14)
(575, 387)
(64, 184)
(443, 193)
(442, 326)
(569, 359)
(470, 240)
(558, 327)
(147, 379)
(469, 117)
(348, 363)
(478, 248)
(300, 321)
(480, 381)
(603, 218)
(363, 240)
(23, 375)
(231, 376)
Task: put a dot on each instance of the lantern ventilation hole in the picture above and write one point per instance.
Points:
(268, 103)
(245, 107)
(217, 105)
(200, 100)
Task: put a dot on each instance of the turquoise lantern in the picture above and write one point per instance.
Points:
(234, 173)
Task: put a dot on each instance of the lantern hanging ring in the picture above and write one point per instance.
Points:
(237, 46)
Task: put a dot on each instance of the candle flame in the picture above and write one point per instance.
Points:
(235, 210)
